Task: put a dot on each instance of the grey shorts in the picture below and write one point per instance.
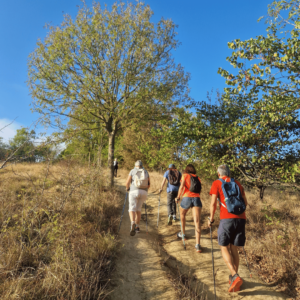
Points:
(232, 231)
(188, 202)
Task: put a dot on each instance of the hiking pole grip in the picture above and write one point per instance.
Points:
(212, 257)
(122, 212)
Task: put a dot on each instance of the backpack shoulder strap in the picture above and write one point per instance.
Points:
(223, 181)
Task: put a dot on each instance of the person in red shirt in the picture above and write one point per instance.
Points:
(190, 200)
(231, 231)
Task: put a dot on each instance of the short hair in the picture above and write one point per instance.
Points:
(138, 163)
(223, 170)
(189, 169)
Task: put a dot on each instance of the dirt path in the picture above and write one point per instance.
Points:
(143, 267)
(140, 274)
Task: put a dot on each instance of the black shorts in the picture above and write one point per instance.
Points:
(232, 231)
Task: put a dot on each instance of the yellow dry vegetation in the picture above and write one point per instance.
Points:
(57, 226)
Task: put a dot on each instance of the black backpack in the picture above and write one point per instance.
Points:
(174, 177)
(195, 185)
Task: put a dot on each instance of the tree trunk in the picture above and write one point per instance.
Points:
(99, 160)
(100, 146)
(111, 152)
(261, 192)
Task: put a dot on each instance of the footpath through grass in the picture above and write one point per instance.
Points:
(272, 230)
(57, 226)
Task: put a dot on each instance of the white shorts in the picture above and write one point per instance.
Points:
(136, 199)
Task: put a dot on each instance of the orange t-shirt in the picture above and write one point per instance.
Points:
(216, 189)
(187, 184)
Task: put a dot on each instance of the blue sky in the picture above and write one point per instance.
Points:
(204, 29)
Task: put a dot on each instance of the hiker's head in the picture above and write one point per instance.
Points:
(223, 170)
(115, 159)
(189, 169)
(171, 166)
(138, 164)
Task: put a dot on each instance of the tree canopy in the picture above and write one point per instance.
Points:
(113, 67)
(254, 126)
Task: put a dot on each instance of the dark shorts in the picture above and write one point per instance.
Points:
(171, 196)
(232, 231)
(188, 202)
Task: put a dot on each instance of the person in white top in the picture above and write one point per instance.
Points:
(116, 166)
(138, 182)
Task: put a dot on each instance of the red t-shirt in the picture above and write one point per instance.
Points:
(216, 189)
(187, 185)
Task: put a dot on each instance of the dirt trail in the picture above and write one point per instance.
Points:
(140, 274)
(142, 269)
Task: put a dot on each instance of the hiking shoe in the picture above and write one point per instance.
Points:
(236, 289)
(174, 219)
(137, 229)
(236, 283)
(198, 248)
(179, 235)
(132, 230)
(170, 220)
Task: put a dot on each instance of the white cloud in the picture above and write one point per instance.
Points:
(8, 132)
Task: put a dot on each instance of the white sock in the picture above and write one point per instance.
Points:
(132, 222)
(174, 216)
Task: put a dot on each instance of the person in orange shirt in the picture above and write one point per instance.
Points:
(231, 231)
(190, 188)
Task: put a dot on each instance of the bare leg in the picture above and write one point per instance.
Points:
(235, 257)
(138, 218)
(197, 219)
(132, 215)
(226, 253)
(182, 217)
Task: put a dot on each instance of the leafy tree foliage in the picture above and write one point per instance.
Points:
(145, 142)
(110, 67)
(270, 89)
(23, 144)
(3, 149)
(255, 125)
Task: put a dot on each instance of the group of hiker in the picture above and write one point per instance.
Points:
(186, 189)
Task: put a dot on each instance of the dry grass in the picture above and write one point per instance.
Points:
(273, 239)
(57, 232)
(273, 227)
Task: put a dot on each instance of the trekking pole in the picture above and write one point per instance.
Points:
(212, 257)
(122, 212)
(158, 210)
(181, 229)
(247, 262)
(146, 217)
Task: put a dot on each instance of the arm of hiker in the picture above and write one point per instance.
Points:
(213, 207)
(149, 182)
(180, 190)
(129, 179)
(162, 184)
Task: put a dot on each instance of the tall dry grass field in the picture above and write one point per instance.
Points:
(273, 242)
(273, 227)
(57, 227)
